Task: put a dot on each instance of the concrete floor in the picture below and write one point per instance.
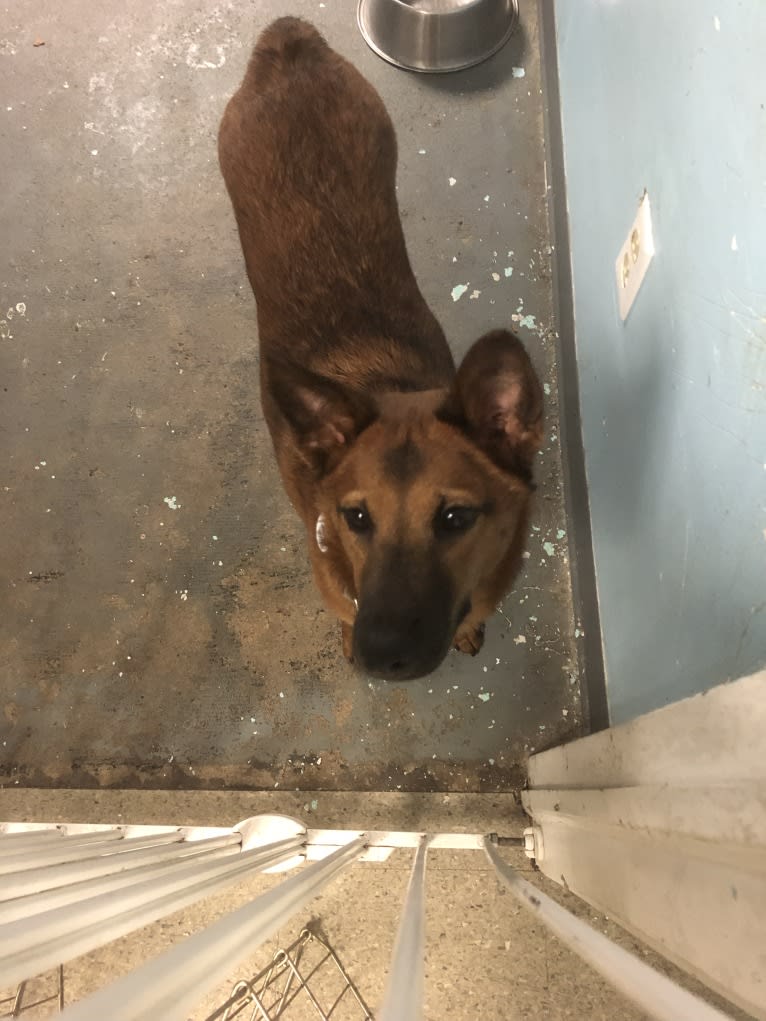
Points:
(158, 624)
(486, 957)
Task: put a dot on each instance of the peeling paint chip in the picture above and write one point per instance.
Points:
(458, 291)
(519, 640)
(484, 696)
(518, 72)
(172, 502)
(528, 322)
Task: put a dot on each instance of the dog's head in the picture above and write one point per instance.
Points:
(421, 496)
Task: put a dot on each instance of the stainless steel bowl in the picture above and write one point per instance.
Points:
(436, 35)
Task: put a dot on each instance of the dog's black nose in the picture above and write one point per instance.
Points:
(394, 649)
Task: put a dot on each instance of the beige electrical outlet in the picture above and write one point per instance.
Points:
(634, 258)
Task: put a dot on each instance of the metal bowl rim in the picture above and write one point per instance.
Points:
(442, 14)
(512, 23)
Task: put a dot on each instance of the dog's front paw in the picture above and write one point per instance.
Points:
(470, 639)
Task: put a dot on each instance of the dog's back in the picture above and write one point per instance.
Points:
(308, 153)
(413, 481)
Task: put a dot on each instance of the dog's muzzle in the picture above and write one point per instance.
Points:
(406, 619)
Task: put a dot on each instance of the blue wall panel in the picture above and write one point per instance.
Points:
(669, 97)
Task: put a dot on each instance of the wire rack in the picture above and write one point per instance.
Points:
(29, 998)
(305, 980)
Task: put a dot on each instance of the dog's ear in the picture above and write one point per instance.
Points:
(325, 417)
(497, 399)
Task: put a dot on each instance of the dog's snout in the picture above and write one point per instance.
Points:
(405, 623)
(391, 648)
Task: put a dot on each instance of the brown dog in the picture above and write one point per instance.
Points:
(413, 481)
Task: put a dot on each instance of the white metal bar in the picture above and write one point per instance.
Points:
(170, 986)
(403, 1000)
(381, 843)
(321, 842)
(70, 829)
(398, 839)
(35, 903)
(93, 905)
(38, 830)
(94, 834)
(655, 994)
(55, 852)
(12, 843)
(52, 876)
(30, 946)
(80, 848)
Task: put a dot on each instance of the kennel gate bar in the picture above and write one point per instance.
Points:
(71, 888)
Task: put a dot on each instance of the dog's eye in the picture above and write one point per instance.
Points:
(452, 520)
(357, 518)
